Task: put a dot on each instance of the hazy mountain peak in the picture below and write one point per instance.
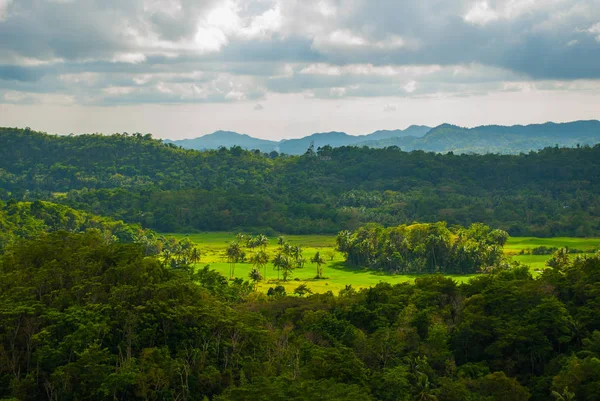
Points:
(445, 137)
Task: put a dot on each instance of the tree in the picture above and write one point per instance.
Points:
(262, 241)
(284, 263)
(302, 290)
(565, 395)
(195, 255)
(319, 261)
(255, 276)
(260, 260)
(234, 252)
(559, 260)
(277, 291)
(278, 262)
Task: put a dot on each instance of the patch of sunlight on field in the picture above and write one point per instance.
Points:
(516, 244)
(338, 275)
(537, 263)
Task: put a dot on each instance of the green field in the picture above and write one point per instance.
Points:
(538, 262)
(338, 275)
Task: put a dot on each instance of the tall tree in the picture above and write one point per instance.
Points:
(319, 261)
(234, 253)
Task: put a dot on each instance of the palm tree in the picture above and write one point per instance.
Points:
(559, 260)
(262, 241)
(302, 290)
(234, 251)
(167, 255)
(280, 241)
(255, 276)
(424, 388)
(283, 262)
(565, 396)
(319, 261)
(278, 262)
(259, 260)
(195, 255)
(287, 267)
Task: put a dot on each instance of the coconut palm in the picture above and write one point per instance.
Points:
(259, 260)
(195, 255)
(262, 241)
(234, 252)
(319, 261)
(255, 276)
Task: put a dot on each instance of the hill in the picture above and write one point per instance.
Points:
(226, 139)
(497, 138)
(552, 192)
(292, 146)
(443, 138)
(30, 219)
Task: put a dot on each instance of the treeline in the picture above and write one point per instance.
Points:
(424, 248)
(81, 318)
(29, 220)
(137, 179)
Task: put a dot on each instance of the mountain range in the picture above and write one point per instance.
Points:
(443, 138)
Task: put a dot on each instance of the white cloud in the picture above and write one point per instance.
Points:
(410, 86)
(131, 58)
(595, 30)
(345, 38)
(215, 30)
(481, 14)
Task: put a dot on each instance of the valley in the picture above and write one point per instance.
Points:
(337, 274)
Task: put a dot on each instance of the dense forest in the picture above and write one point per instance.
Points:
(424, 248)
(29, 219)
(137, 179)
(86, 319)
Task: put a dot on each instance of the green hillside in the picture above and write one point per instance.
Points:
(553, 192)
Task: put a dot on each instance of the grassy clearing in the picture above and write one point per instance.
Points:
(538, 262)
(337, 274)
(516, 244)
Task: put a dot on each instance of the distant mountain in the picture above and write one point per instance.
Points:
(226, 139)
(443, 138)
(333, 139)
(416, 131)
(292, 146)
(503, 139)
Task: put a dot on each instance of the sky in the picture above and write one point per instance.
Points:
(288, 68)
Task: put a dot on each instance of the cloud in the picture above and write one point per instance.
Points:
(258, 107)
(388, 108)
(152, 51)
(481, 14)
(595, 31)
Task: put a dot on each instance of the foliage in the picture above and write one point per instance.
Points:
(424, 248)
(82, 318)
(137, 179)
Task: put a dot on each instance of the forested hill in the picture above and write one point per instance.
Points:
(25, 220)
(138, 179)
(512, 139)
